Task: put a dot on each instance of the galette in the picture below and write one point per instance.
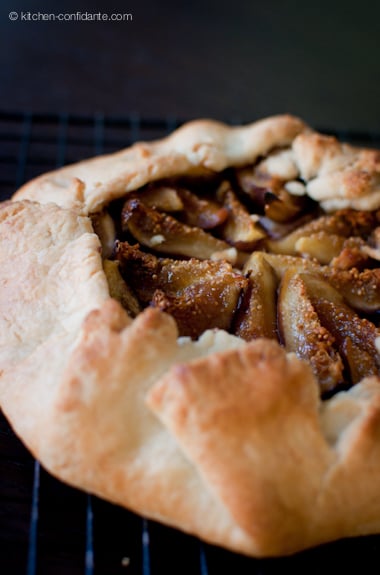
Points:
(190, 329)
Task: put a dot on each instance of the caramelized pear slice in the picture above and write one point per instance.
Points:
(359, 362)
(241, 229)
(267, 192)
(198, 294)
(200, 212)
(162, 197)
(139, 269)
(256, 315)
(119, 289)
(278, 230)
(281, 263)
(353, 254)
(303, 333)
(162, 233)
(195, 211)
(361, 290)
(344, 223)
(283, 206)
(205, 304)
(105, 229)
(355, 336)
(252, 188)
(320, 246)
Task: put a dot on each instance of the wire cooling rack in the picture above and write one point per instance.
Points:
(48, 528)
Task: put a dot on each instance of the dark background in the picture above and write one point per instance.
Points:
(229, 60)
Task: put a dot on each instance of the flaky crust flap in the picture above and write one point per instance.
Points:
(252, 421)
(222, 439)
(197, 147)
(336, 174)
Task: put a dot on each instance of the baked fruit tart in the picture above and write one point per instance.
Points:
(190, 329)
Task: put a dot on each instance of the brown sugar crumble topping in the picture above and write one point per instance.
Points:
(253, 254)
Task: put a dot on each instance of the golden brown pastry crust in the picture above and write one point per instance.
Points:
(197, 147)
(252, 421)
(223, 439)
(336, 174)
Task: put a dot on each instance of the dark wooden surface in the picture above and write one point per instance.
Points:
(241, 60)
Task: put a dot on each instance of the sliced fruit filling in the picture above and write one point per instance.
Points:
(248, 251)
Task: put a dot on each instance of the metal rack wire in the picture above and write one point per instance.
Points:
(48, 528)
